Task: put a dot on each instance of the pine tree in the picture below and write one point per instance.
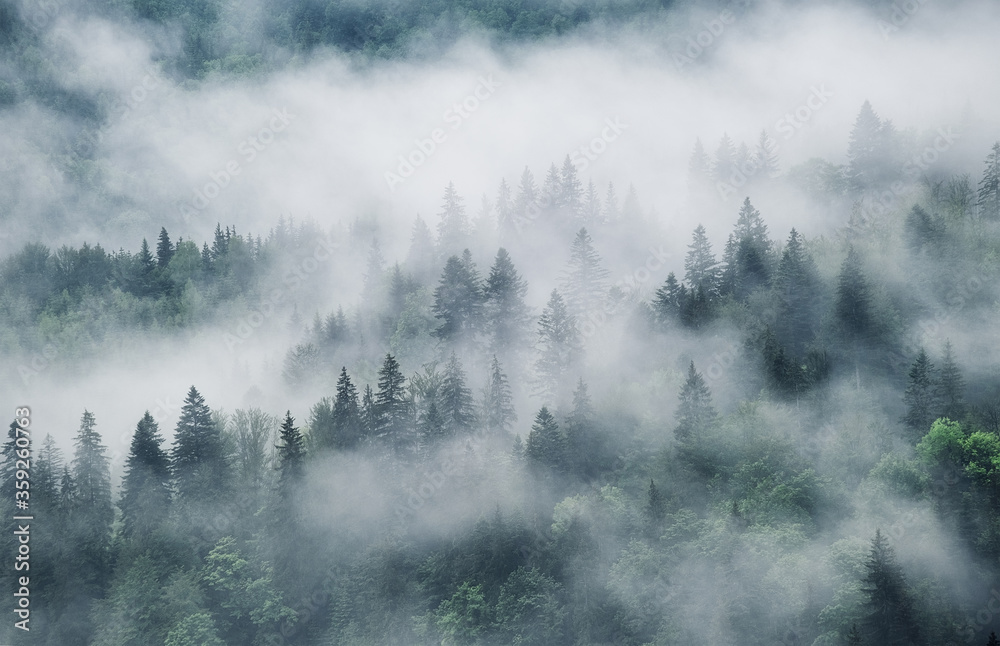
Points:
(197, 460)
(458, 299)
(498, 412)
(392, 406)
(507, 317)
(526, 204)
(582, 435)
(695, 414)
(585, 280)
(453, 229)
(571, 189)
(951, 387)
(656, 505)
(291, 457)
(796, 283)
(863, 149)
(421, 259)
(369, 415)
(546, 443)
(853, 304)
(552, 196)
(766, 156)
(431, 425)
(145, 279)
(164, 249)
(889, 619)
(93, 509)
(560, 348)
(699, 264)
(347, 427)
(457, 407)
(725, 160)
(667, 301)
(45, 475)
(989, 186)
(372, 290)
(748, 256)
(146, 484)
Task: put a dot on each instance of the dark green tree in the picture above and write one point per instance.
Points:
(993, 640)
(145, 496)
(346, 414)
(197, 460)
(458, 300)
(507, 317)
(164, 249)
(796, 283)
(853, 307)
(667, 301)
(889, 613)
(393, 417)
(920, 397)
(546, 443)
(747, 258)
(455, 399)
(950, 387)
(656, 505)
(291, 458)
(93, 510)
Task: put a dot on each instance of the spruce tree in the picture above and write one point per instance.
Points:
(197, 459)
(585, 280)
(748, 256)
(546, 443)
(144, 282)
(291, 457)
(347, 427)
(951, 387)
(526, 204)
(560, 348)
(725, 160)
(656, 505)
(164, 249)
(853, 304)
(667, 301)
(695, 413)
(45, 476)
(506, 315)
(93, 510)
(455, 398)
(766, 157)
(571, 188)
(146, 484)
(458, 300)
(591, 215)
(392, 406)
(864, 149)
(421, 259)
(552, 196)
(699, 264)
(453, 229)
(989, 186)
(889, 615)
(582, 434)
(699, 172)
(796, 283)
(498, 412)
(431, 426)
(369, 415)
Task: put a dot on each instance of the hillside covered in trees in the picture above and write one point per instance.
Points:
(558, 410)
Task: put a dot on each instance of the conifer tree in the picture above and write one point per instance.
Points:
(699, 264)
(854, 636)
(546, 443)
(611, 212)
(656, 505)
(498, 412)
(146, 484)
(507, 225)
(347, 427)
(864, 149)
(766, 157)
(951, 387)
(748, 256)
(291, 457)
(45, 475)
(667, 301)
(725, 160)
(431, 425)
(369, 415)
(527, 196)
(889, 614)
(458, 299)
(421, 259)
(559, 345)
(585, 280)
(93, 510)
(552, 196)
(695, 413)
(372, 290)
(453, 229)
(993, 640)
(796, 283)
(591, 215)
(164, 249)
(197, 460)
(455, 398)
(145, 279)
(571, 189)
(699, 171)
(392, 405)
(582, 435)
(506, 315)
(989, 186)
(853, 304)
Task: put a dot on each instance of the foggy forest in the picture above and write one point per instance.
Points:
(500, 322)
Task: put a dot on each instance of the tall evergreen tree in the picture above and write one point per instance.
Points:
(571, 189)
(611, 212)
(498, 412)
(725, 160)
(864, 149)
(164, 249)
(455, 398)
(667, 301)
(699, 171)
(853, 304)
(431, 425)
(458, 299)
(197, 461)
(951, 387)
(591, 215)
(421, 259)
(369, 414)
(146, 484)
(453, 229)
(347, 426)
(582, 435)
(695, 413)
(559, 346)
(748, 256)
(656, 505)
(93, 510)
(766, 157)
(527, 196)
(546, 443)
(889, 614)
(552, 195)
(392, 406)
(506, 315)
(291, 457)
(585, 280)
(989, 186)
(796, 283)
(507, 224)
(699, 264)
